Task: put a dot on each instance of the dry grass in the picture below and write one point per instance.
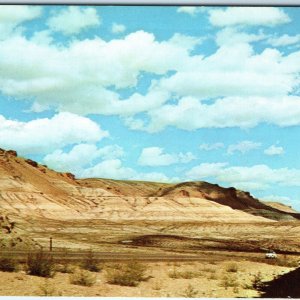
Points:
(175, 274)
(190, 292)
(229, 281)
(48, 289)
(83, 278)
(65, 268)
(157, 285)
(130, 274)
(232, 268)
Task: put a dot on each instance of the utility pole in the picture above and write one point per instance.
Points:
(50, 245)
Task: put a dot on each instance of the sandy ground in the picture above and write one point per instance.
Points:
(209, 281)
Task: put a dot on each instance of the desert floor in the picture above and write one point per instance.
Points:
(232, 277)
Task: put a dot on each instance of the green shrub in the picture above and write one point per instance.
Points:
(126, 275)
(8, 264)
(83, 277)
(90, 263)
(40, 264)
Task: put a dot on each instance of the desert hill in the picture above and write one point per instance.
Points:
(37, 202)
(280, 206)
(28, 188)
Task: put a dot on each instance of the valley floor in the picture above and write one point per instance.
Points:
(229, 278)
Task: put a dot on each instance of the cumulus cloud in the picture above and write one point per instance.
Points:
(113, 168)
(284, 40)
(235, 70)
(80, 157)
(45, 135)
(257, 177)
(118, 28)
(232, 35)
(274, 150)
(13, 15)
(209, 147)
(247, 112)
(191, 10)
(243, 147)
(155, 156)
(78, 77)
(248, 16)
(73, 19)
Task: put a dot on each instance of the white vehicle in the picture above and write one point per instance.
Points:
(271, 255)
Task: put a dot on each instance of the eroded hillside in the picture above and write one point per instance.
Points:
(42, 202)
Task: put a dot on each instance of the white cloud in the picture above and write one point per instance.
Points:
(243, 147)
(155, 156)
(191, 10)
(74, 19)
(78, 157)
(284, 40)
(190, 113)
(78, 77)
(111, 168)
(81, 156)
(235, 70)
(274, 150)
(209, 147)
(13, 15)
(45, 135)
(114, 169)
(232, 35)
(257, 177)
(118, 28)
(282, 199)
(205, 170)
(249, 16)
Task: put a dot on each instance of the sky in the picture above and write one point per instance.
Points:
(165, 94)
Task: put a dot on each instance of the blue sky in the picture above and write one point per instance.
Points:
(156, 93)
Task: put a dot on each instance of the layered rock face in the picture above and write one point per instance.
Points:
(30, 189)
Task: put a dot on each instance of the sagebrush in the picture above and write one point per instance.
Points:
(83, 278)
(130, 274)
(40, 264)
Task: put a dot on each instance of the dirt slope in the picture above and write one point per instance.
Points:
(28, 188)
(280, 206)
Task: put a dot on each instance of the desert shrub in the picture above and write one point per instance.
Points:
(286, 262)
(213, 276)
(126, 275)
(40, 264)
(65, 268)
(90, 263)
(232, 268)
(157, 285)
(257, 282)
(190, 292)
(8, 264)
(175, 274)
(229, 281)
(48, 289)
(83, 277)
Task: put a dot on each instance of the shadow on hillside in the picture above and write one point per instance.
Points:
(285, 286)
